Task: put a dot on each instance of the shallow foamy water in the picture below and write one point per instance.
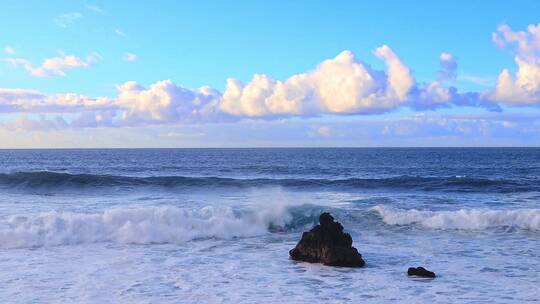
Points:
(213, 254)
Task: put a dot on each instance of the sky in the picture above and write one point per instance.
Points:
(113, 74)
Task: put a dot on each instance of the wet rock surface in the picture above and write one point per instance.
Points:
(326, 243)
(420, 272)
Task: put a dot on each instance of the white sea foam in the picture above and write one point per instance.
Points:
(136, 225)
(463, 219)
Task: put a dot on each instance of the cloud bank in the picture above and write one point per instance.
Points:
(342, 85)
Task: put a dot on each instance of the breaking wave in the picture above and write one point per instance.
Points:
(55, 180)
(463, 219)
(148, 225)
(169, 224)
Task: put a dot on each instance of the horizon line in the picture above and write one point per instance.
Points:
(283, 147)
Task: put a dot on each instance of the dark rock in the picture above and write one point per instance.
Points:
(420, 272)
(328, 244)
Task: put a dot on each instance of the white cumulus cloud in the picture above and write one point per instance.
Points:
(164, 102)
(95, 9)
(338, 85)
(9, 50)
(448, 66)
(120, 33)
(55, 66)
(129, 57)
(68, 19)
(522, 88)
(23, 101)
(342, 85)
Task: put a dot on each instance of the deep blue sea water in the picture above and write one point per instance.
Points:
(215, 225)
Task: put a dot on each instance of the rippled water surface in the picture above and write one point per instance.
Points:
(215, 225)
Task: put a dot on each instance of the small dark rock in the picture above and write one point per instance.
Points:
(328, 244)
(420, 272)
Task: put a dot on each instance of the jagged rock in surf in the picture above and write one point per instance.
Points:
(327, 244)
(420, 272)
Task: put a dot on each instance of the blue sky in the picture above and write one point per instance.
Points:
(95, 48)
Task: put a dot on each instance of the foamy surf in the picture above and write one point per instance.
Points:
(463, 219)
(149, 225)
(83, 225)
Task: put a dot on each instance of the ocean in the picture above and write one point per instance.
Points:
(216, 225)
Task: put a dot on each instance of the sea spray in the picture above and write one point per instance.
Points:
(462, 219)
(140, 225)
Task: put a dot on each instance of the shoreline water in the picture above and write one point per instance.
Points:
(125, 226)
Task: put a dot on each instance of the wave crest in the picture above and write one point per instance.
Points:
(56, 180)
(463, 219)
(137, 225)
